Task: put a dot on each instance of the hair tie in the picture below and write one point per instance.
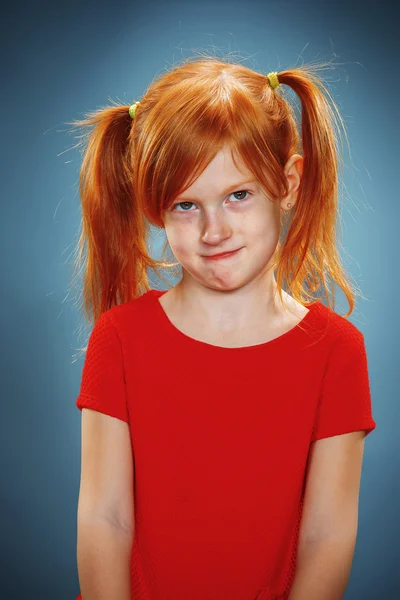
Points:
(273, 80)
(132, 109)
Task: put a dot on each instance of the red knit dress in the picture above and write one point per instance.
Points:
(220, 440)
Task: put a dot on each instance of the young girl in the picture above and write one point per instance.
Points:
(223, 420)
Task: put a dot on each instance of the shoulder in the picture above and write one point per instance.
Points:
(121, 315)
(333, 336)
(339, 329)
(129, 322)
(345, 350)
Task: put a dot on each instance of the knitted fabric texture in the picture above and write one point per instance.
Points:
(220, 439)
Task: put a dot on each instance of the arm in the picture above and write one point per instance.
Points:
(323, 570)
(329, 523)
(105, 508)
(104, 560)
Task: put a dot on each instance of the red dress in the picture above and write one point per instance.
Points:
(220, 439)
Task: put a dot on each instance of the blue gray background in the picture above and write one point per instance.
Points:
(63, 59)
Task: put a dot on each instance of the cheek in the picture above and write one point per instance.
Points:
(264, 235)
(181, 239)
(265, 231)
(261, 224)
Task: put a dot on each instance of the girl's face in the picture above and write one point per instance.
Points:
(225, 210)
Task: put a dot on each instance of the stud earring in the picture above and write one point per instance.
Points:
(289, 205)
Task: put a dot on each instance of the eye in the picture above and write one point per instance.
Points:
(233, 193)
(241, 192)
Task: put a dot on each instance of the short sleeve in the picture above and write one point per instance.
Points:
(345, 401)
(103, 383)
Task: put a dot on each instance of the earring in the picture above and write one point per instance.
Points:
(289, 205)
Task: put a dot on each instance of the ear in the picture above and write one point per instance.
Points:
(293, 171)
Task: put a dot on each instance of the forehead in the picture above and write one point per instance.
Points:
(222, 172)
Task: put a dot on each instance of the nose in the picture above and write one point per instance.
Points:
(216, 229)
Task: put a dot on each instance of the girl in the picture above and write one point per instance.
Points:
(223, 420)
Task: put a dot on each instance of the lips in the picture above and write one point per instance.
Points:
(222, 254)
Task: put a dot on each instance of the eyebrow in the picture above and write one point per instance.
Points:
(231, 188)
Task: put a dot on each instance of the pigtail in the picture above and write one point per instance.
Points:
(114, 230)
(310, 253)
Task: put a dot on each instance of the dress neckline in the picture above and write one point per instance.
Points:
(289, 336)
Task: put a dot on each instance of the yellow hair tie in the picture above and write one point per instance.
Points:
(273, 80)
(132, 109)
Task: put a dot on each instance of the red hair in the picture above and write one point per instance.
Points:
(133, 169)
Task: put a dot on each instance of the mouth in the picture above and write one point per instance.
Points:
(222, 255)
